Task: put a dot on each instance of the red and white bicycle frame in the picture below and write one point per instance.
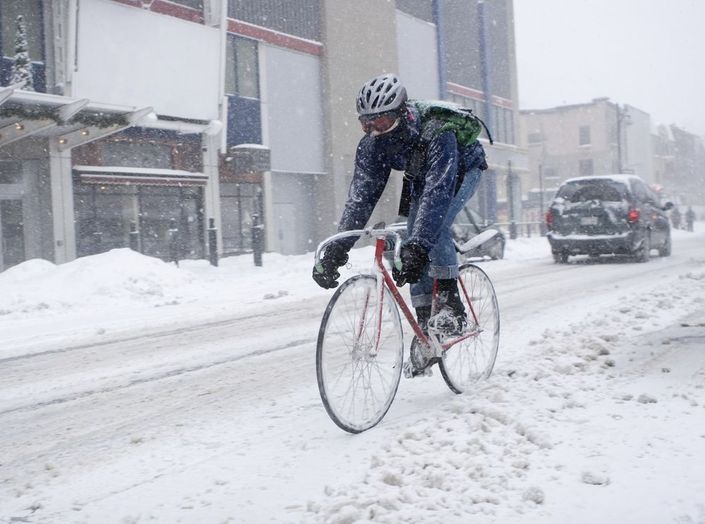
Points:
(385, 279)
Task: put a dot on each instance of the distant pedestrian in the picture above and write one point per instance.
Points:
(676, 218)
(689, 218)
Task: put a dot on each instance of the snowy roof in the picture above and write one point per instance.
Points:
(76, 121)
(138, 175)
(623, 179)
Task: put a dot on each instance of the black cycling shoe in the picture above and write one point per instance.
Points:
(451, 318)
(449, 322)
(423, 313)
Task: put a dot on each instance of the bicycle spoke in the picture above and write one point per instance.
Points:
(359, 368)
(471, 359)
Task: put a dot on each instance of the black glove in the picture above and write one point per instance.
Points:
(414, 260)
(334, 257)
(474, 157)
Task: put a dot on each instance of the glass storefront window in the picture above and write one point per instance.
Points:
(238, 204)
(12, 244)
(164, 207)
(105, 215)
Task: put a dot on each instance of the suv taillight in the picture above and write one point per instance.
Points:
(549, 219)
(633, 216)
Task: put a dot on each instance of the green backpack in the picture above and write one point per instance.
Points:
(466, 125)
(452, 117)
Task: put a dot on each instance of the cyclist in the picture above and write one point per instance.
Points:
(440, 177)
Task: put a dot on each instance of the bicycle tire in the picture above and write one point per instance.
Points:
(343, 367)
(467, 362)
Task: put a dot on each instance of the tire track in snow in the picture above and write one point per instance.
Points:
(153, 378)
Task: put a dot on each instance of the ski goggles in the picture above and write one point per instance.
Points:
(376, 125)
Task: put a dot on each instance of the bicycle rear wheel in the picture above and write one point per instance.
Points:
(473, 358)
(357, 377)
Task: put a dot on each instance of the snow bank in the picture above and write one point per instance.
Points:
(120, 275)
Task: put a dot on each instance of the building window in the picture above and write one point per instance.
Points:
(242, 72)
(242, 88)
(497, 124)
(31, 10)
(137, 154)
(535, 138)
(585, 167)
(294, 17)
(417, 8)
(239, 203)
(509, 117)
(584, 136)
(549, 173)
(194, 4)
(10, 172)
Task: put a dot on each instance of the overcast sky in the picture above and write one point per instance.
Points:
(646, 53)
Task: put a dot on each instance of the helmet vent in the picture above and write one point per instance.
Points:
(380, 95)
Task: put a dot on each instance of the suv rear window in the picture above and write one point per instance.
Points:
(585, 190)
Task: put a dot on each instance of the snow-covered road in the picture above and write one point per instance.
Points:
(210, 412)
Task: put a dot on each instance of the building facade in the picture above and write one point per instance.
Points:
(184, 114)
(684, 178)
(602, 137)
(596, 138)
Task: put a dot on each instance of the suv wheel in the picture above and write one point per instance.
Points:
(665, 250)
(643, 253)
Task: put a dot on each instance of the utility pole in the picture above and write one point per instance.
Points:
(438, 18)
(619, 139)
(542, 222)
(485, 70)
(623, 120)
(511, 189)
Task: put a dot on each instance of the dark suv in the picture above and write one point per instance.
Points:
(609, 214)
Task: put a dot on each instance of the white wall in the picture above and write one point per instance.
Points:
(418, 56)
(293, 106)
(638, 154)
(292, 114)
(134, 57)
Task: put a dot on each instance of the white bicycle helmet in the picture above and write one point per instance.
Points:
(382, 94)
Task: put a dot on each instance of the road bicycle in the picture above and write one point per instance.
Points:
(360, 350)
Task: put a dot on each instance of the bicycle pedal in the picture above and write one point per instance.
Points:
(426, 372)
(411, 372)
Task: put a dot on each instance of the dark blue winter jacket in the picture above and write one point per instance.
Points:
(434, 163)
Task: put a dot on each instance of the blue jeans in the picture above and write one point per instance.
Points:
(444, 259)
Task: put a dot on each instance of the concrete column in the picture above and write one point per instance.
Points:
(62, 203)
(210, 145)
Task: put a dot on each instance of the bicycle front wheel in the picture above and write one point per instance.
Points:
(359, 354)
(472, 359)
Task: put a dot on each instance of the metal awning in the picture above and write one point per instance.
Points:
(118, 175)
(75, 121)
